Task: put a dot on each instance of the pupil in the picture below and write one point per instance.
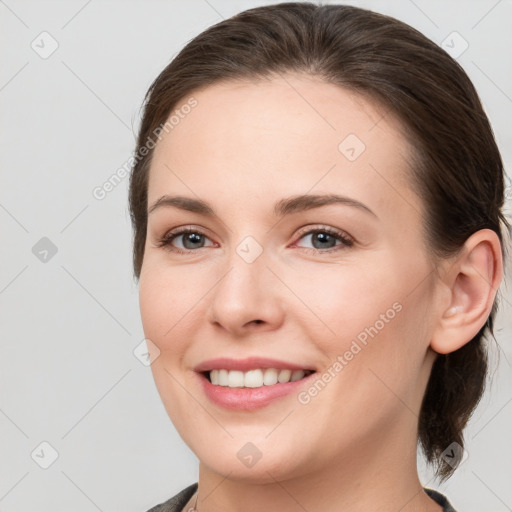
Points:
(324, 238)
(192, 238)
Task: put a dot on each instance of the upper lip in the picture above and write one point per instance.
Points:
(250, 363)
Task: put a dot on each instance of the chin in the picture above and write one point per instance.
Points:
(257, 463)
(261, 473)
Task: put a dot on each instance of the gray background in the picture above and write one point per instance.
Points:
(70, 320)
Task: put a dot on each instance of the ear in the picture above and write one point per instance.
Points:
(471, 280)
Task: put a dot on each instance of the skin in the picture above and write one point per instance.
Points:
(245, 146)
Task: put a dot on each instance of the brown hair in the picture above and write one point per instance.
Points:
(458, 170)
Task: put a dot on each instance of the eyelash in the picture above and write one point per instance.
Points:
(346, 241)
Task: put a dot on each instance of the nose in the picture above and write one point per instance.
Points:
(247, 298)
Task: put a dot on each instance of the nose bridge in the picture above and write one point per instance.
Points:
(247, 291)
(246, 278)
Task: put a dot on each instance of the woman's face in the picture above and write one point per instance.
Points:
(344, 288)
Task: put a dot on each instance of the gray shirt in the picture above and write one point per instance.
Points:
(177, 502)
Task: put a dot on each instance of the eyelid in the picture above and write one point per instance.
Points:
(324, 229)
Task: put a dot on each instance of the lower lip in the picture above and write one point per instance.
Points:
(249, 399)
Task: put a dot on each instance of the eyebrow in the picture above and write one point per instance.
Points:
(283, 207)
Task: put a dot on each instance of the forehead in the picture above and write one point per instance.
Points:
(282, 135)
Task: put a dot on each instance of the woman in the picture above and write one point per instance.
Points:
(317, 205)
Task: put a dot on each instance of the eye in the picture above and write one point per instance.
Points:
(191, 239)
(324, 239)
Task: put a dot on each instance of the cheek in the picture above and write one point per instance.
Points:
(170, 300)
(170, 303)
(376, 311)
(345, 299)
(169, 319)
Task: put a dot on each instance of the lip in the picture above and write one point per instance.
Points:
(249, 363)
(250, 399)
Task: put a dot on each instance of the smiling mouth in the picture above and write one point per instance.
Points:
(256, 378)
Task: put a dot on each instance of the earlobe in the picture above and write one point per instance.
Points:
(473, 280)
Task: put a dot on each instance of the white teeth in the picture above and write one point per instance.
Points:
(236, 379)
(223, 377)
(270, 377)
(254, 378)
